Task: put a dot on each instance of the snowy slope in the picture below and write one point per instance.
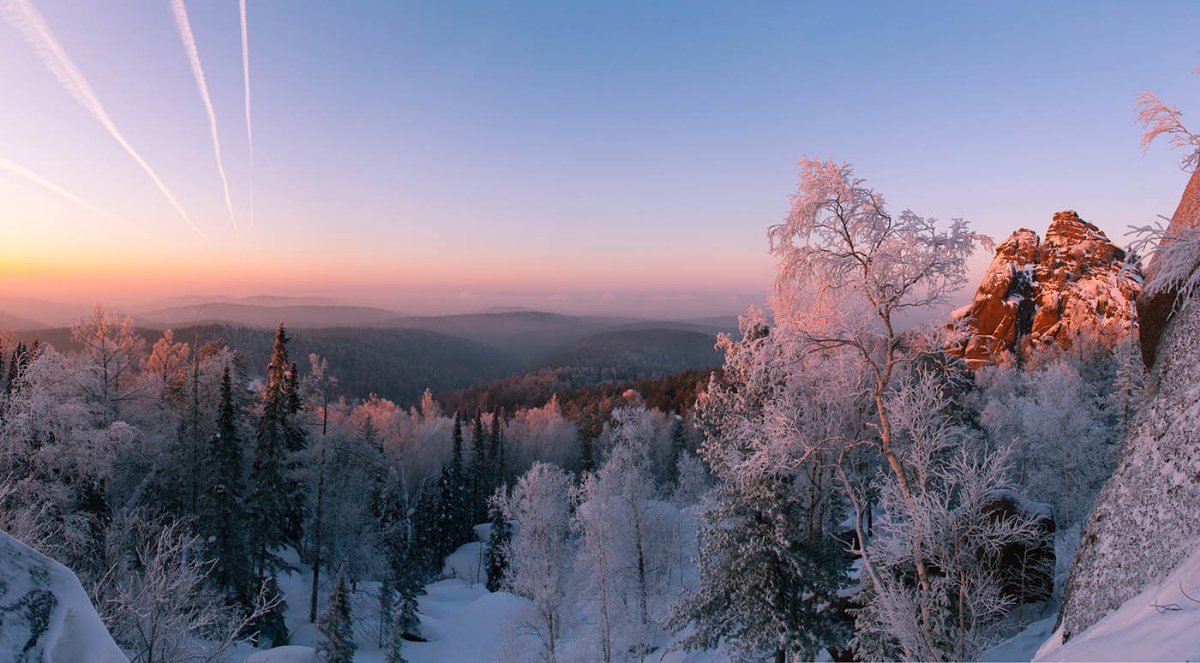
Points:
(45, 615)
(1159, 624)
(1144, 521)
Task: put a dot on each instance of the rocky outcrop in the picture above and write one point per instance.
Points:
(1050, 291)
(45, 616)
(1156, 306)
(1144, 522)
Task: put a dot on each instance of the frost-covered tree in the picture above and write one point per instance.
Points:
(337, 626)
(392, 650)
(765, 586)
(847, 269)
(160, 606)
(494, 560)
(539, 507)
(948, 519)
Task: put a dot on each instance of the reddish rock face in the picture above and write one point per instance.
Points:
(1154, 310)
(1038, 292)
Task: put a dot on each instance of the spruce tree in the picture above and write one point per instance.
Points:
(387, 604)
(222, 519)
(395, 637)
(764, 584)
(496, 451)
(496, 559)
(270, 505)
(678, 446)
(336, 625)
(479, 466)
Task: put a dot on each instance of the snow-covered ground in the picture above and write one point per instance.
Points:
(462, 621)
(1160, 624)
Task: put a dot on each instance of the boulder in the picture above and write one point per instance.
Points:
(45, 616)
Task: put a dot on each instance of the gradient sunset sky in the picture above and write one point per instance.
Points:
(606, 157)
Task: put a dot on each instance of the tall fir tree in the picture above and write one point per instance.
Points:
(222, 518)
(479, 466)
(496, 451)
(270, 505)
(394, 645)
(336, 625)
(495, 559)
(765, 585)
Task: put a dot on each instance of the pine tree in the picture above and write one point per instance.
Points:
(591, 424)
(336, 625)
(270, 506)
(496, 451)
(496, 560)
(272, 625)
(395, 637)
(387, 604)
(222, 519)
(678, 446)
(479, 466)
(764, 584)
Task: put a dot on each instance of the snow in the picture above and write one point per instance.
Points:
(1040, 508)
(287, 654)
(44, 613)
(467, 563)
(1140, 631)
(1024, 645)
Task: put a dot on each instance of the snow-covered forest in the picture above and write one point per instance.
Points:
(845, 486)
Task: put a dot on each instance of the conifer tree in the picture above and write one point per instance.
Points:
(764, 584)
(395, 637)
(223, 521)
(479, 465)
(336, 625)
(496, 560)
(387, 604)
(591, 424)
(270, 506)
(496, 452)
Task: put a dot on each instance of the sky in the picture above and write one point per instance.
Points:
(607, 157)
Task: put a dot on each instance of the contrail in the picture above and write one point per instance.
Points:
(26, 20)
(189, 45)
(16, 169)
(246, 77)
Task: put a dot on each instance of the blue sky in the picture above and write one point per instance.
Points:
(606, 157)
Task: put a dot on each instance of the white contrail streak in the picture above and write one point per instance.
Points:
(189, 45)
(26, 20)
(16, 169)
(246, 77)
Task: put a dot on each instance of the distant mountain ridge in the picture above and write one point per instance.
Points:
(268, 316)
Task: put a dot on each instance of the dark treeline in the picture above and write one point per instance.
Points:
(578, 390)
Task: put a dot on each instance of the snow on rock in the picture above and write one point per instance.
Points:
(1144, 521)
(1037, 292)
(45, 615)
(1158, 303)
(286, 654)
(467, 563)
(1159, 624)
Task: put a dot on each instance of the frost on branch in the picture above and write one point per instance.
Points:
(839, 245)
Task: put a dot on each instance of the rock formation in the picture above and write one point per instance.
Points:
(1050, 291)
(45, 615)
(1156, 307)
(1144, 521)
